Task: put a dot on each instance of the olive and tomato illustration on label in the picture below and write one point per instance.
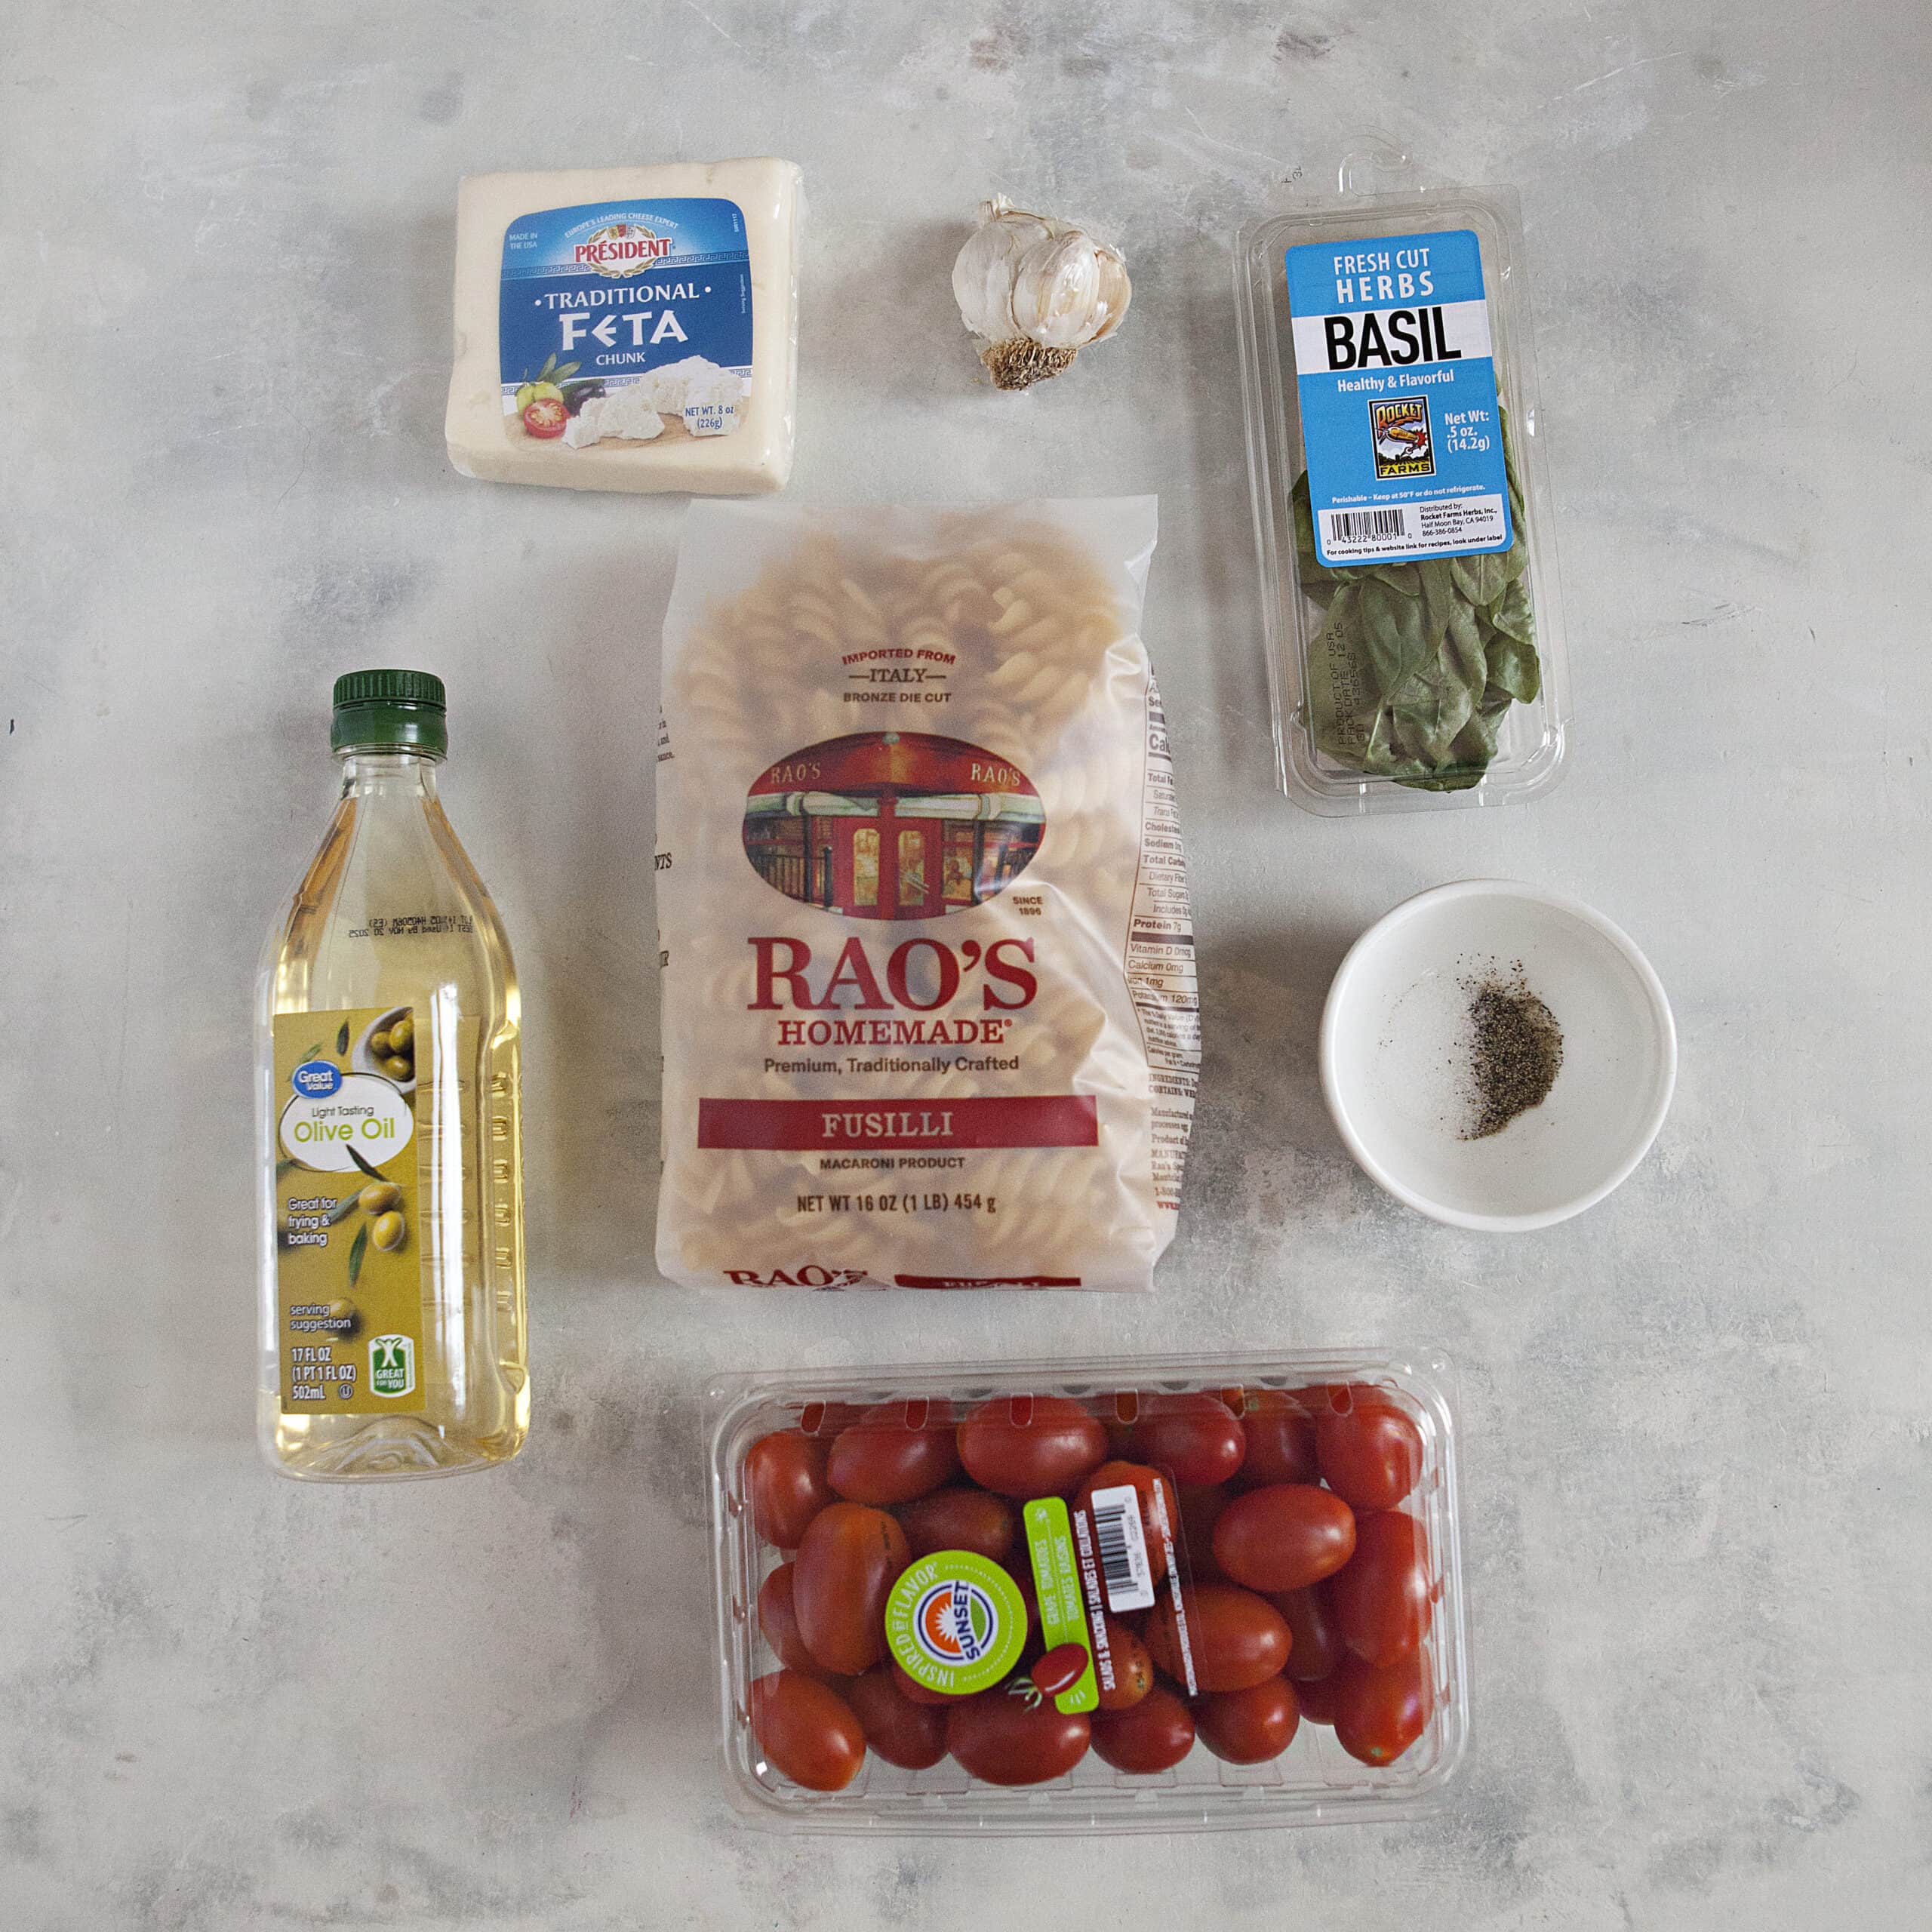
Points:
(546, 401)
(1037, 1577)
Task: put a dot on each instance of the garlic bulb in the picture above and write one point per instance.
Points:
(1035, 290)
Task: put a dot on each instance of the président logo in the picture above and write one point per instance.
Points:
(624, 248)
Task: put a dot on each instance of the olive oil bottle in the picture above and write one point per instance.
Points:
(391, 1246)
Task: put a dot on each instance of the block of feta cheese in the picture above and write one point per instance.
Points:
(627, 328)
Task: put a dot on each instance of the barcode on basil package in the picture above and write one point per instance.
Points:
(1122, 1547)
(1397, 384)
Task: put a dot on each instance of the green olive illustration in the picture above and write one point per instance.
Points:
(345, 1310)
(379, 1197)
(380, 1046)
(401, 1033)
(399, 1069)
(388, 1232)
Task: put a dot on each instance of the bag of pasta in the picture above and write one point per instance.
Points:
(928, 967)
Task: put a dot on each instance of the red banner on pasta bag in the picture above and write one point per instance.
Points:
(930, 1012)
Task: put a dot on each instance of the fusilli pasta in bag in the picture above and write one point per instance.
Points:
(928, 966)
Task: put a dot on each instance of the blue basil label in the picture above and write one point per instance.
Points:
(1397, 383)
(626, 321)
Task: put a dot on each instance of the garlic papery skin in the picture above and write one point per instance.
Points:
(1036, 290)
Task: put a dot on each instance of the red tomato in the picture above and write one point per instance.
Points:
(960, 1519)
(1196, 1438)
(1317, 1697)
(1133, 1669)
(825, 1419)
(785, 1482)
(1380, 1712)
(850, 1559)
(1284, 1537)
(1280, 1439)
(1317, 1648)
(1250, 1727)
(1200, 1511)
(1370, 1450)
(1237, 1639)
(1382, 1598)
(996, 1736)
(1031, 1445)
(1059, 1669)
(1144, 1482)
(1154, 1735)
(778, 1620)
(545, 418)
(902, 1730)
(883, 1458)
(808, 1732)
(912, 1687)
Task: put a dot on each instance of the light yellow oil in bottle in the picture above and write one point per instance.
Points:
(391, 914)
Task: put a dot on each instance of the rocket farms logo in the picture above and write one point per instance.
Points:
(624, 248)
(1399, 428)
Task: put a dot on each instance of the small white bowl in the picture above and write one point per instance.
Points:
(1394, 1062)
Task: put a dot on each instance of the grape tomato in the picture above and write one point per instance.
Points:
(785, 1483)
(1153, 1735)
(809, 1732)
(1005, 1740)
(1025, 1446)
(1234, 1638)
(848, 1561)
(1195, 1439)
(894, 1453)
(973, 1519)
(1369, 1449)
(1284, 1537)
(904, 1731)
(1249, 1727)
(1382, 1596)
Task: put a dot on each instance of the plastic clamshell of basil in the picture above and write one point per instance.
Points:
(1401, 681)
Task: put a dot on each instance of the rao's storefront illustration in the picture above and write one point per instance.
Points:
(892, 824)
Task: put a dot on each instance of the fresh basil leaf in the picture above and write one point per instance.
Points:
(1463, 650)
(1481, 579)
(1430, 709)
(1510, 613)
(1513, 669)
(1394, 631)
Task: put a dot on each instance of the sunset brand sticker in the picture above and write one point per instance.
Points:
(955, 1621)
(1399, 411)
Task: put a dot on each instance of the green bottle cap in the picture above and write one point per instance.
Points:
(379, 710)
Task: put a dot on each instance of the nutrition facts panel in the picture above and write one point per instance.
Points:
(1160, 963)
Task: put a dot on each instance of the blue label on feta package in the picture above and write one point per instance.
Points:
(594, 297)
(1398, 398)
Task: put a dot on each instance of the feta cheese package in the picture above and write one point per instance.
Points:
(627, 328)
(928, 964)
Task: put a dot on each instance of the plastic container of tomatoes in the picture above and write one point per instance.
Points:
(1188, 1594)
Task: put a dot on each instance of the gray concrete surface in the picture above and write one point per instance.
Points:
(1696, 1419)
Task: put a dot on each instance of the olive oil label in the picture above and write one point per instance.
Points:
(348, 1263)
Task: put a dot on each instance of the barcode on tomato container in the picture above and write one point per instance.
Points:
(1123, 1548)
(1365, 526)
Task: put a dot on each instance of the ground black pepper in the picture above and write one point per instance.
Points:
(1515, 1051)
